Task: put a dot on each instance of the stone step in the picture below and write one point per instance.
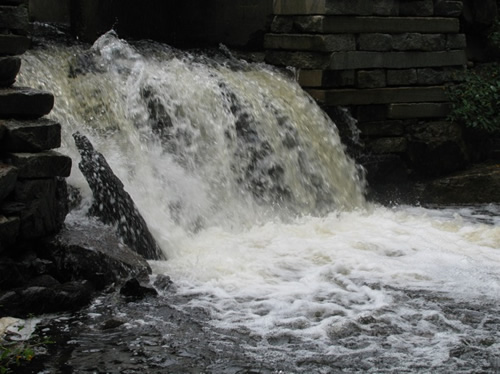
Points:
(14, 45)
(366, 60)
(46, 164)
(22, 102)
(379, 95)
(9, 68)
(360, 25)
(297, 42)
(14, 18)
(8, 178)
(418, 110)
(30, 136)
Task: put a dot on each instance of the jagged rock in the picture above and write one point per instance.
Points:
(8, 178)
(22, 102)
(94, 253)
(133, 289)
(31, 136)
(112, 204)
(46, 164)
(9, 68)
(163, 282)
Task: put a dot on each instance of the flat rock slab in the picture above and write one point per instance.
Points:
(14, 18)
(14, 44)
(477, 185)
(9, 68)
(22, 102)
(30, 135)
(8, 178)
(46, 164)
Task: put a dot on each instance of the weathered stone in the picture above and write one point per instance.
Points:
(419, 42)
(418, 110)
(369, 113)
(112, 204)
(364, 25)
(379, 95)
(13, 44)
(371, 78)
(381, 128)
(303, 60)
(338, 7)
(437, 148)
(8, 178)
(134, 290)
(420, 8)
(299, 7)
(22, 102)
(366, 60)
(327, 78)
(402, 77)
(9, 231)
(31, 136)
(456, 41)
(94, 253)
(14, 18)
(46, 164)
(388, 145)
(46, 206)
(448, 8)
(429, 77)
(478, 185)
(9, 68)
(324, 43)
(375, 42)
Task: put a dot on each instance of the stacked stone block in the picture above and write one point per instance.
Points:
(33, 202)
(389, 60)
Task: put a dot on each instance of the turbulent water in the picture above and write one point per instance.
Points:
(279, 263)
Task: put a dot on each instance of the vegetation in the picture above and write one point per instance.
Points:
(476, 100)
(17, 353)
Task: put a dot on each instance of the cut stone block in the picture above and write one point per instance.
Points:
(327, 78)
(13, 45)
(381, 128)
(46, 164)
(388, 145)
(379, 95)
(14, 18)
(8, 178)
(375, 42)
(31, 136)
(9, 68)
(22, 102)
(371, 78)
(420, 8)
(419, 110)
(324, 43)
(354, 24)
(373, 7)
(419, 42)
(402, 77)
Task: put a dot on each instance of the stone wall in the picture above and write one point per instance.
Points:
(389, 62)
(33, 201)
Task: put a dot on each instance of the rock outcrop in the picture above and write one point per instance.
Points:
(112, 204)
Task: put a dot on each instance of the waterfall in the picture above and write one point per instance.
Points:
(244, 183)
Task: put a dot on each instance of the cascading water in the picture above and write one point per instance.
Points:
(245, 185)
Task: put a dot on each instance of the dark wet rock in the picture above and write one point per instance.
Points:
(31, 136)
(112, 324)
(8, 178)
(9, 231)
(38, 299)
(13, 44)
(9, 68)
(437, 148)
(112, 204)
(93, 253)
(133, 289)
(46, 164)
(22, 102)
(163, 282)
(479, 184)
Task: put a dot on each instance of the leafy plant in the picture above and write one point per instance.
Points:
(16, 353)
(475, 102)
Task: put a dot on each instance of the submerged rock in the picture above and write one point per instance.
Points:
(112, 204)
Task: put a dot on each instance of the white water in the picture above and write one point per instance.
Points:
(301, 272)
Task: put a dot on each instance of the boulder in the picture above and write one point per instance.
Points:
(93, 252)
(134, 290)
(9, 68)
(112, 204)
